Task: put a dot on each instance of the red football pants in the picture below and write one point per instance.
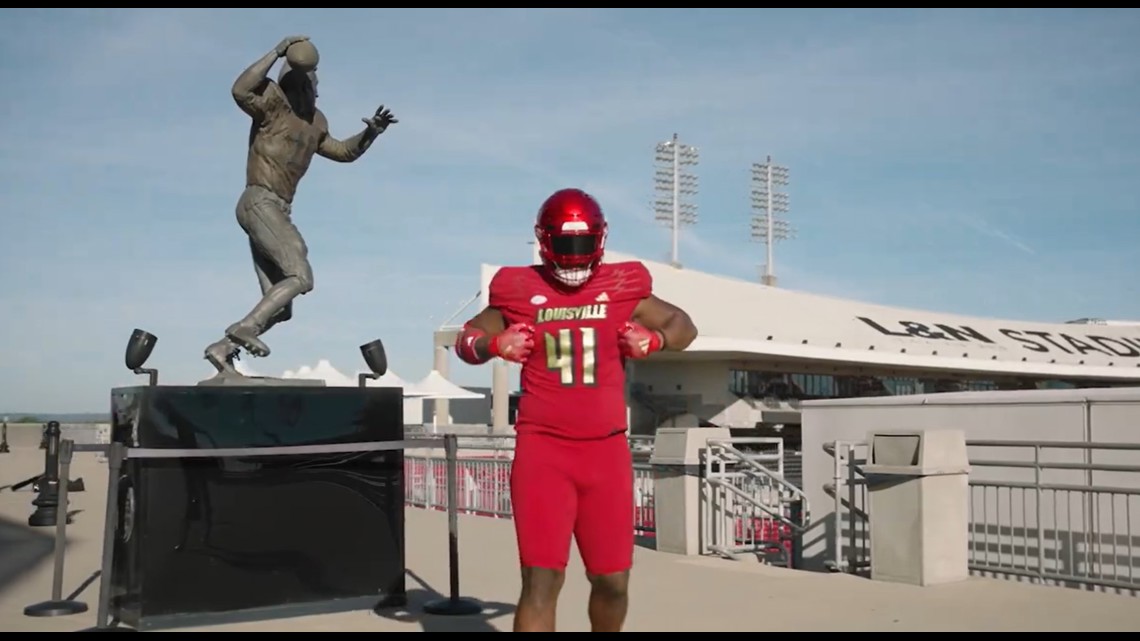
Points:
(562, 487)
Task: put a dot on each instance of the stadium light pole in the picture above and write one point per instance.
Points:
(769, 204)
(675, 186)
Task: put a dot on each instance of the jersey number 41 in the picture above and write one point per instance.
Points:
(570, 356)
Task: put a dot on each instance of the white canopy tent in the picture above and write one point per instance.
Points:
(435, 386)
(332, 377)
(391, 379)
(324, 371)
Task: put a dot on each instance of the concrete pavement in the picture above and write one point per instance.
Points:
(669, 593)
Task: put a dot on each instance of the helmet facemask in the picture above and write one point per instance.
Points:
(572, 257)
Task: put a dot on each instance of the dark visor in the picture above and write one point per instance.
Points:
(575, 245)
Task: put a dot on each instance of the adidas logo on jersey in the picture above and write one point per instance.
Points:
(603, 298)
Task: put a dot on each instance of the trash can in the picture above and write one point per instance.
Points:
(918, 493)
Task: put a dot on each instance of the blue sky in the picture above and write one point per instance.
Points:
(973, 161)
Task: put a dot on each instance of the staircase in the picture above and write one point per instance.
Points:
(751, 508)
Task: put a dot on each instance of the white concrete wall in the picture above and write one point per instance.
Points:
(703, 384)
(708, 379)
(1106, 415)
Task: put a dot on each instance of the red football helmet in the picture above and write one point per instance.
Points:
(571, 232)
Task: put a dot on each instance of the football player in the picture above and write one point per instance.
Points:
(571, 323)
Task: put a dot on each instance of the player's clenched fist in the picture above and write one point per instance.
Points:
(637, 341)
(513, 343)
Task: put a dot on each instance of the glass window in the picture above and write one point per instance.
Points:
(769, 385)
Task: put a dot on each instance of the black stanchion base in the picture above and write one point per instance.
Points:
(43, 517)
(111, 629)
(456, 607)
(55, 608)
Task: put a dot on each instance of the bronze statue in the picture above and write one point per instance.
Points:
(286, 131)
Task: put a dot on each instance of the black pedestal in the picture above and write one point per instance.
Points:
(212, 540)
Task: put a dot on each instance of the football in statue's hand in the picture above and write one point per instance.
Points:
(302, 56)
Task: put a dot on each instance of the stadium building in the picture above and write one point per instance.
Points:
(762, 350)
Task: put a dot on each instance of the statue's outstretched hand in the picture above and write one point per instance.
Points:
(286, 42)
(379, 122)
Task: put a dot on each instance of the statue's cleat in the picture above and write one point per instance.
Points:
(221, 355)
(246, 336)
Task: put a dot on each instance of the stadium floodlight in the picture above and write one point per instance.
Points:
(769, 205)
(675, 188)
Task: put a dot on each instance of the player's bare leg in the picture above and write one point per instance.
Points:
(609, 601)
(538, 603)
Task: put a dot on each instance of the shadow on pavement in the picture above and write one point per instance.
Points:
(417, 597)
(21, 549)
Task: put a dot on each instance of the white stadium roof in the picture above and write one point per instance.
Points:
(744, 320)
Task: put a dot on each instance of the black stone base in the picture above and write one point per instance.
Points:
(213, 540)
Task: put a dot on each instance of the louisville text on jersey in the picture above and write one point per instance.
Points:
(596, 311)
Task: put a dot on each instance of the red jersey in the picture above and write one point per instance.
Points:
(573, 383)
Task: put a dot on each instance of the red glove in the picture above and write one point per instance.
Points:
(513, 343)
(637, 341)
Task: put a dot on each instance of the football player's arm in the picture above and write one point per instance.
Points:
(346, 150)
(473, 343)
(253, 92)
(676, 328)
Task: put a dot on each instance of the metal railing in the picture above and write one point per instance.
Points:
(483, 478)
(1057, 512)
(848, 479)
(639, 444)
(749, 507)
